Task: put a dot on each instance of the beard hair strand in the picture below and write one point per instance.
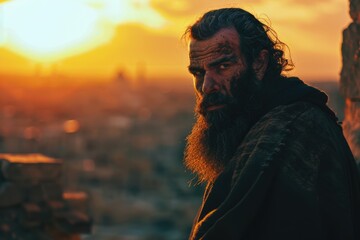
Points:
(216, 135)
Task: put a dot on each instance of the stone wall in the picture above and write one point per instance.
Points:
(350, 79)
(33, 204)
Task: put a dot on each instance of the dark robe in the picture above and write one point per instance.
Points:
(292, 177)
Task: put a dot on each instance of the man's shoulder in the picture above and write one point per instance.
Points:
(274, 132)
(302, 114)
(293, 128)
(286, 131)
(300, 133)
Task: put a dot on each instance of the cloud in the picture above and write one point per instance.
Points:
(322, 25)
(186, 8)
(124, 11)
(132, 45)
(310, 2)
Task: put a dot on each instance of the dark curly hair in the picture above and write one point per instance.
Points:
(254, 36)
(354, 6)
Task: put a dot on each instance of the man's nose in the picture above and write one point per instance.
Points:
(209, 84)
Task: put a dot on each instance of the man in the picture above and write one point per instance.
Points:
(350, 79)
(271, 152)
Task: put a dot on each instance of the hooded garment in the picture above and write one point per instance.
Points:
(292, 177)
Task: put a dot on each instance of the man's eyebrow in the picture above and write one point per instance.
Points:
(229, 58)
(194, 68)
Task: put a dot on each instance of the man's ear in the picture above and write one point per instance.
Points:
(260, 64)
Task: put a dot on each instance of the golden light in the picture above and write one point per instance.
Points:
(29, 158)
(83, 37)
(71, 126)
(47, 31)
(31, 133)
(75, 195)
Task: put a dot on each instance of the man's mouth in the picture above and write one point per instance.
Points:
(215, 107)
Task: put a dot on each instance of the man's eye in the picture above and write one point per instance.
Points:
(198, 73)
(224, 66)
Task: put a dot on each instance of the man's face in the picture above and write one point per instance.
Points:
(216, 64)
(228, 96)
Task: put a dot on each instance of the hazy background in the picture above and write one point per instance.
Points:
(99, 37)
(103, 85)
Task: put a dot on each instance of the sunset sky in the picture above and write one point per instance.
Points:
(101, 37)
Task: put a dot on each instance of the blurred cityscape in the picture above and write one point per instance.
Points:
(121, 142)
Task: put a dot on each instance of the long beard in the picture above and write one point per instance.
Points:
(217, 134)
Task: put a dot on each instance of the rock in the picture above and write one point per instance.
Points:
(10, 194)
(44, 191)
(30, 168)
(77, 200)
(350, 80)
(33, 205)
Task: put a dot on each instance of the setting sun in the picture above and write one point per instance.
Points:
(50, 30)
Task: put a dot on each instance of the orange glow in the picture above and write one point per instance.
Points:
(71, 126)
(75, 195)
(47, 31)
(99, 38)
(28, 158)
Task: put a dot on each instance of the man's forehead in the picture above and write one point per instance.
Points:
(224, 41)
